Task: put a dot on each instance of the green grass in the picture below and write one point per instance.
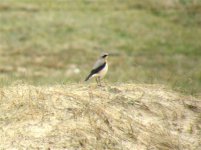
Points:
(157, 42)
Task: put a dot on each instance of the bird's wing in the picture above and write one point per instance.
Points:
(98, 66)
(98, 63)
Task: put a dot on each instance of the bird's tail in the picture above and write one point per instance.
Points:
(89, 76)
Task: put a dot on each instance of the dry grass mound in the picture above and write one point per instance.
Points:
(123, 116)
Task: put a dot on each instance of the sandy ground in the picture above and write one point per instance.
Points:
(79, 116)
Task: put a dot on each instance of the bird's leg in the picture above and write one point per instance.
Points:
(99, 81)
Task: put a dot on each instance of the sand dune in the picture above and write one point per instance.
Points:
(121, 116)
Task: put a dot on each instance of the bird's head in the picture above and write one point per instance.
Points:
(104, 55)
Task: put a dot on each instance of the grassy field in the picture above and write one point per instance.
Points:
(56, 42)
(116, 117)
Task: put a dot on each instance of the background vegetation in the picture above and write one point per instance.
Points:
(57, 41)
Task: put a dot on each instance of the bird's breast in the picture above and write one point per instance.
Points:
(103, 72)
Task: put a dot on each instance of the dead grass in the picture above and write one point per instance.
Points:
(123, 116)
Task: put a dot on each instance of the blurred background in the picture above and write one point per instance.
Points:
(57, 41)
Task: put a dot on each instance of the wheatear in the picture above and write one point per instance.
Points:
(99, 69)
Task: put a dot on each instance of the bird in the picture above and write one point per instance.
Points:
(99, 69)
